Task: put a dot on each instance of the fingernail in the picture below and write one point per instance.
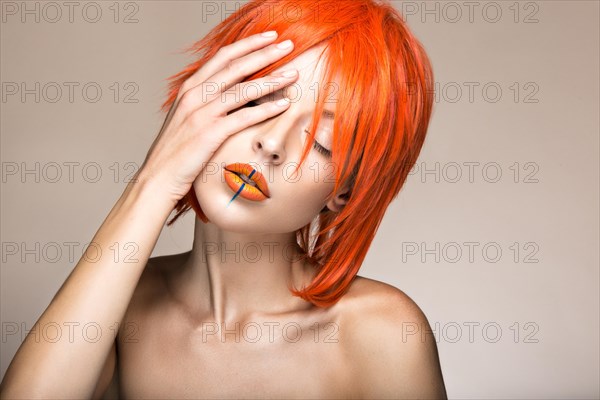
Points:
(285, 44)
(269, 34)
(282, 102)
(289, 73)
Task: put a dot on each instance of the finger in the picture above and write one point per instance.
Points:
(242, 93)
(228, 53)
(249, 116)
(239, 68)
(199, 93)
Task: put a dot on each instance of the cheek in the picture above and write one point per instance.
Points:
(309, 193)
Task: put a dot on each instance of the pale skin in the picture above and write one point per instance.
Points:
(177, 314)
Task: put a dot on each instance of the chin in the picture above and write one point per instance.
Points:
(235, 218)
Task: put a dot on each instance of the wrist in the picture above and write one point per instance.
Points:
(147, 191)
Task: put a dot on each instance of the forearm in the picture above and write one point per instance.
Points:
(97, 293)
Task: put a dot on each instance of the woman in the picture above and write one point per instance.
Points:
(288, 137)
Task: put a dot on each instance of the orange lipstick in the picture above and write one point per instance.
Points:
(246, 182)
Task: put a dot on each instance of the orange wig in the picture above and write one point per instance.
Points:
(386, 95)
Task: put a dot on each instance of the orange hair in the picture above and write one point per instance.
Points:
(384, 105)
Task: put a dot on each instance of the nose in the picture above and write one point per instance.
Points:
(270, 143)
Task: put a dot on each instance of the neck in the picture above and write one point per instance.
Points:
(233, 276)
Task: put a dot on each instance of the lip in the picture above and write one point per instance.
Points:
(257, 192)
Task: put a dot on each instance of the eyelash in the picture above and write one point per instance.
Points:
(317, 146)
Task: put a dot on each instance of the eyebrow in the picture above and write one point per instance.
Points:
(328, 114)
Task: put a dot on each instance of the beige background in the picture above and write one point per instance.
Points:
(541, 135)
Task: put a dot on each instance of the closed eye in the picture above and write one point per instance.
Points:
(317, 146)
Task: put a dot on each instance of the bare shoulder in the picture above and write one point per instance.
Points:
(370, 292)
(391, 340)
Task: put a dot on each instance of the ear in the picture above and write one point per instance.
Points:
(338, 202)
